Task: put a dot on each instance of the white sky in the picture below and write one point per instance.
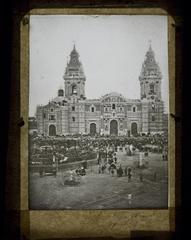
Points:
(112, 50)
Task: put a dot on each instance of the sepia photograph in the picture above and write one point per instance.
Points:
(98, 112)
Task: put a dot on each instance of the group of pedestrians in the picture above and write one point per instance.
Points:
(127, 172)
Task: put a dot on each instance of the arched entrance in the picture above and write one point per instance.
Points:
(92, 128)
(113, 127)
(134, 128)
(52, 130)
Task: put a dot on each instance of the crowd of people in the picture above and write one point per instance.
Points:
(63, 144)
(89, 147)
(103, 149)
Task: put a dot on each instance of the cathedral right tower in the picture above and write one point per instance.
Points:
(150, 94)
(150, 78)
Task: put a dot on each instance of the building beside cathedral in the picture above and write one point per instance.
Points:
(72, 113)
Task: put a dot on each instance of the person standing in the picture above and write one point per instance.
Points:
(125, 171)
(112, 171)
(141, 156)
(120, 171)
(131, 149)
(129, 174)
(99, 168)
(115, 159)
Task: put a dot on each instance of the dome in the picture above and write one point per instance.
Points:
(113, 96)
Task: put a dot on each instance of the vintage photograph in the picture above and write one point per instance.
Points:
(98, 112)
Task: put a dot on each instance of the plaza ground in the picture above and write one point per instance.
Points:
(103, 191)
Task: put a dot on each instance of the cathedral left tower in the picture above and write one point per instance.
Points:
(65, 114)
(74, 77)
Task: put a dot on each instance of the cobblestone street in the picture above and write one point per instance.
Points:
(102, 191)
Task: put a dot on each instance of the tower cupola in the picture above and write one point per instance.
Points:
(60, 92)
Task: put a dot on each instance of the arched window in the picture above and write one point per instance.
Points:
(52, 117)
(113, 106)
(134, 109)
(92, 109)
(74, 90)
(152, 88)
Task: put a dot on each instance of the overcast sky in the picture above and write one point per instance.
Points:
(111, 48)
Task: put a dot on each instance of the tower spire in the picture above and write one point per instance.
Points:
(74, 45)
(150, 43)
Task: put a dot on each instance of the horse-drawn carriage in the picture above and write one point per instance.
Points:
(81, 171)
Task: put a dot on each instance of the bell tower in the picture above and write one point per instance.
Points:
(74, 77)
(152, 104)
(150, 78)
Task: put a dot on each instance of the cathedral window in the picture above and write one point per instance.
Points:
(73, 108)
(151, 88)
(92, 109)
(44, 115)
(51, 109)
(113, 106)
(134, 109)
(52, 117)
(73, 119)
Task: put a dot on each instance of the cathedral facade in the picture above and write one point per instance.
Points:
(72, 113)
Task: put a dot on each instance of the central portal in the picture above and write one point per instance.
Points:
(113, 127)
(92, 129)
